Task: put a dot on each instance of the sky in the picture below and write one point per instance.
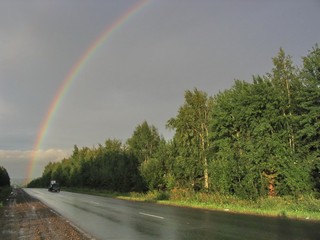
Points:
(139, 73)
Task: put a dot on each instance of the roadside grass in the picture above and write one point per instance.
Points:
(4, 194)
(302, 207)
(96, 192)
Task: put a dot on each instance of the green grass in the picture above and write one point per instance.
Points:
(303, 207)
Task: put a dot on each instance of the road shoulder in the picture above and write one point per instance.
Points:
(24, 217)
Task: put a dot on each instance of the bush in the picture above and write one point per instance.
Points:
(157, 196)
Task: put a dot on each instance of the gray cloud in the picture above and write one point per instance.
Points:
(141, 72)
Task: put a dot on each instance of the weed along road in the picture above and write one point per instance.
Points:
(108, 218)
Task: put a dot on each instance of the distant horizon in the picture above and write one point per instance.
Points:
(19, 181)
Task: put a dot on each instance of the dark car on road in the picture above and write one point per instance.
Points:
(54, 187)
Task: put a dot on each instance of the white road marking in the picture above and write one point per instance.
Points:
(95, 202)
(150, 215)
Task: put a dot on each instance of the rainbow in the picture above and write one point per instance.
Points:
(72, 75)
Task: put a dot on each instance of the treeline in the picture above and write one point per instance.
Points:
(4, 178)
(5, 188)
(255, 139)
(109, 167)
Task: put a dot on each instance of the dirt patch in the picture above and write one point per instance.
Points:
(24, 217)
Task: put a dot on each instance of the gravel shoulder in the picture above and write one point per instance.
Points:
(24, 217)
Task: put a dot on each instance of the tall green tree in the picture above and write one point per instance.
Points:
(309, 109)
(156, 171)
(254, 133)
(284, 77)
(191, 127)
(144, 141)
(238, 128)
(310, 102)
(292, 178)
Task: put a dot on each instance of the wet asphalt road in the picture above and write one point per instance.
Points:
(108, 218)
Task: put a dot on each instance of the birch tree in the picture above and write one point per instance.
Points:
(191, 127)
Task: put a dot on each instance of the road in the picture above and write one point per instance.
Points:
(108, 218)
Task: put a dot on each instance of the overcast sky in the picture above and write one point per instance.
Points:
(140, 73)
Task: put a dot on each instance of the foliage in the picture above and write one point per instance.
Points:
(144, 141)
(255, 128)
(4, 177)
(256, 140)
(309, 114)
(109, 167)
(191, 138)
(5, 188)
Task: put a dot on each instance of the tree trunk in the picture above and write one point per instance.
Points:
(271, 178)
(206, 175)
(203, 137)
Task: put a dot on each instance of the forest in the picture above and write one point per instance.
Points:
(258, 138)
(5, 188)
(4, 178)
